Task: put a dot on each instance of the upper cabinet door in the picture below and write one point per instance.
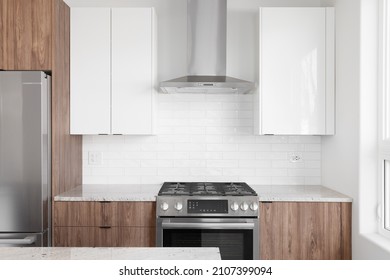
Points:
(296, 82)
(26, 34)
(133, 45)
(90, 71)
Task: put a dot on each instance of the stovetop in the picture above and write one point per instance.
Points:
(206, 189)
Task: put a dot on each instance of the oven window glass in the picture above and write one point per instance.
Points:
(233, 244)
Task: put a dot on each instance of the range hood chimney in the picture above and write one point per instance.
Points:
(206, 52)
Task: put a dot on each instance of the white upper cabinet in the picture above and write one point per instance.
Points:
(132, 70)
(90, 71)
(296, 77)
(113, 54)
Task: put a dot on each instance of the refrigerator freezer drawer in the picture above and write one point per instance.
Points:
(23, 239)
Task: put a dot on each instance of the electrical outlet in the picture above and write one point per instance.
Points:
(95, 158)
(295, 157)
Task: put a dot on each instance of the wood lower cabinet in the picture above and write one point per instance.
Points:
(305, 230)
(104, 224)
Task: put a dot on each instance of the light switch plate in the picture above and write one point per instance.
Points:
(95, 158)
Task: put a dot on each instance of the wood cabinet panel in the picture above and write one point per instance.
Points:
(105, 214)
(141, 214)
(66, 149)
(136, 237)
(1, 35)
(72, 214)
(73, 237)
(109, 224)
(27, 27)
(105, 236)
(346, 231)
(290, 230)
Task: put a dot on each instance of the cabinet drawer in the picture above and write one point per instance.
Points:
(74, 214)
(136, 237)
(105, 213)
(73, 237)
(138, 214)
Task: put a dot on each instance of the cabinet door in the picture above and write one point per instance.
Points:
(26, 28)
(90, 71)
(296, 84)
(305, 230)
(132, 70)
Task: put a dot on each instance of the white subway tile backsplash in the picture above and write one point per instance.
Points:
(173, 155)
(203, 137)
(206, 171)
(189, 163)
(255, 163)
(287, 147)
(138, 155)
(313, 147)
(222, 163)
(174, 171)
(239, 171)
(123, 163)
(221, 147)
(255, 147)
(288, 180)
(140, 171)
(206, 155)
(239, 155)
(124, 180)
(157, 163)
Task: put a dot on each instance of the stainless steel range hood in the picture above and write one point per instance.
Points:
(206, 52)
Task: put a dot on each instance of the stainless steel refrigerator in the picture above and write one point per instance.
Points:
(24, 158)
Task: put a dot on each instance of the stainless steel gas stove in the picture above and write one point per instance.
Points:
(223, 215)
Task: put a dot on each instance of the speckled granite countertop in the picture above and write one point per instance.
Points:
(110, 193)
(59, 253)
(149, 192)
(299, 194)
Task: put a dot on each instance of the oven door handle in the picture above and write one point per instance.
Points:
(173, 225)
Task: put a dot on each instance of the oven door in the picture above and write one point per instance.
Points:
(237, 239)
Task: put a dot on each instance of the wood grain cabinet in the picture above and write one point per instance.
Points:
(305, 230)
(26, 34)
(104, 224)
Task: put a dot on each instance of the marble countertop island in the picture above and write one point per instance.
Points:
(60, 253)
(288, 193)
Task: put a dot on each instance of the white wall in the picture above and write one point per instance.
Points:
(349, 157)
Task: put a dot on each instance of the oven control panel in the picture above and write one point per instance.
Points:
(208, 206)
(194, 206)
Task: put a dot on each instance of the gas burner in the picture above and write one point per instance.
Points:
(206, 189)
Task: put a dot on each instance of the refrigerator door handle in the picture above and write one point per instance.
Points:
(25, 241)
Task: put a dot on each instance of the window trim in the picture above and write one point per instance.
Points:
(383, 112)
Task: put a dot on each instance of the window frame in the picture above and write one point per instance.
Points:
(384, 117)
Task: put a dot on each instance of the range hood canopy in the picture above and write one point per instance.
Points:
(206, 52)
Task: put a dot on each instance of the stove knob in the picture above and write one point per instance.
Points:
(164, 206)
(178, 206)
(254, 206)
(234, 206)
(244, 206)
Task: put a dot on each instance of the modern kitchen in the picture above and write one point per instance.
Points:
(193, 130)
